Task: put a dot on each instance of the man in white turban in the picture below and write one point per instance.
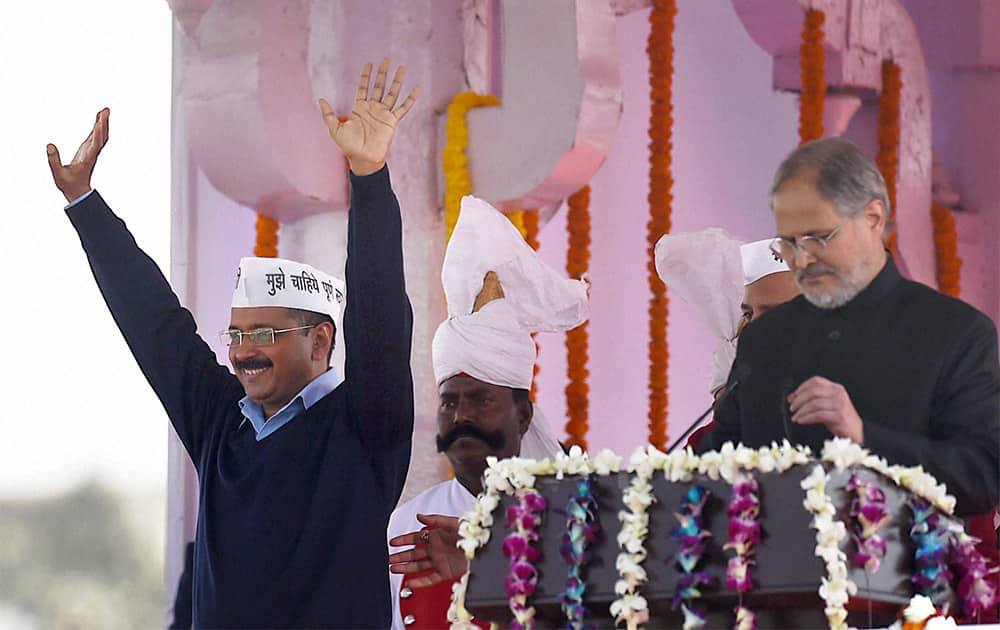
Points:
(498, 292)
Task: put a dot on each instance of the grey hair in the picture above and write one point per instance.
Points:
(844, 175)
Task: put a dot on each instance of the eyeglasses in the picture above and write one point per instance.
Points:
(786, 248)
(255, 337)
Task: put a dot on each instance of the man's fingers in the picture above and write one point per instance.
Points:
(816, 411)
(403, 539)
(379, 88)
(408, 103)
(439, 521)
(366, 75)
(415, 566)
(330, 118)
(407, 555)
(397, 85)
(102, 128)
(55, 163)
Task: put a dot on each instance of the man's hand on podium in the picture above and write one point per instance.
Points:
(821, 401)
(434, 551)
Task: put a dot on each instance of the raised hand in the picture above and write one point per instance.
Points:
(365, 137)
(73, 179)
(434, 549)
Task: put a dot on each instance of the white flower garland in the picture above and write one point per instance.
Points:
(727, 463)
(835, 587)
(843, 453)
(506, 477)
(631, 607)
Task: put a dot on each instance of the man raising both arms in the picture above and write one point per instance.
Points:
(298, 471)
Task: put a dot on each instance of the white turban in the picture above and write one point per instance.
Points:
(759, 261)
(290, 284)
(494, 344)
(705, 269)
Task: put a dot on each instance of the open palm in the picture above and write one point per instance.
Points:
(73, 179)
(366, 136)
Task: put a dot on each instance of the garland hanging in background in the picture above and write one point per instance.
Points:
(949, 265)
(266, 245)
(458, 183)
(887, 159)
(660, 49)
(455, 163)
(812, 62)
(529, 229)
(577, 265)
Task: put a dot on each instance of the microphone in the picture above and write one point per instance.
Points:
(738, 374)
(787, 387)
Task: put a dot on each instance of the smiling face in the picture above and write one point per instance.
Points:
(477, 420)
(829, 277)
(272, 375)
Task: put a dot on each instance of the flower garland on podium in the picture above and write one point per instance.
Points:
(812, 63)
(581, 531)
(660, 48)
(945, 542)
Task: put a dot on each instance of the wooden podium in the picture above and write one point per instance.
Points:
(786, 577)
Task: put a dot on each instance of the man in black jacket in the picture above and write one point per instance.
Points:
(864, 353)
(292, 518)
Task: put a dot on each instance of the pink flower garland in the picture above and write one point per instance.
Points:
(869, 514)
(523, 577)
(744, 534)
(976, 592)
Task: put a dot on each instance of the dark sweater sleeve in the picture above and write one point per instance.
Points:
(378, 320)
(161, 334)
(963, 448)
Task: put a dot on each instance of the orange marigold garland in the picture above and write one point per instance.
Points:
(812, 61)
(949, 265)
(529, 228)
(888, 140)
(267, 237)
(455, 163)
(660, 48)
(577, 264)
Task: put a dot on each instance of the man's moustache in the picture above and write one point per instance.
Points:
(494, 439)
(252, 364)
(813, 270)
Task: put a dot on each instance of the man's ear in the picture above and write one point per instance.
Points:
(875, 215)
(525, 412)
(322, 341)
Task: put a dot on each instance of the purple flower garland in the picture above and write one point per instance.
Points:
(523, 577)
(869, 514)
(744, 534)
(581, 530)
(931, 537)
(691, 547)
(976, 592)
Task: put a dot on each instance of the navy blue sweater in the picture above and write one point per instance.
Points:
(291, 529)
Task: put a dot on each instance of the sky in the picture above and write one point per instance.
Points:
(76, 404)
